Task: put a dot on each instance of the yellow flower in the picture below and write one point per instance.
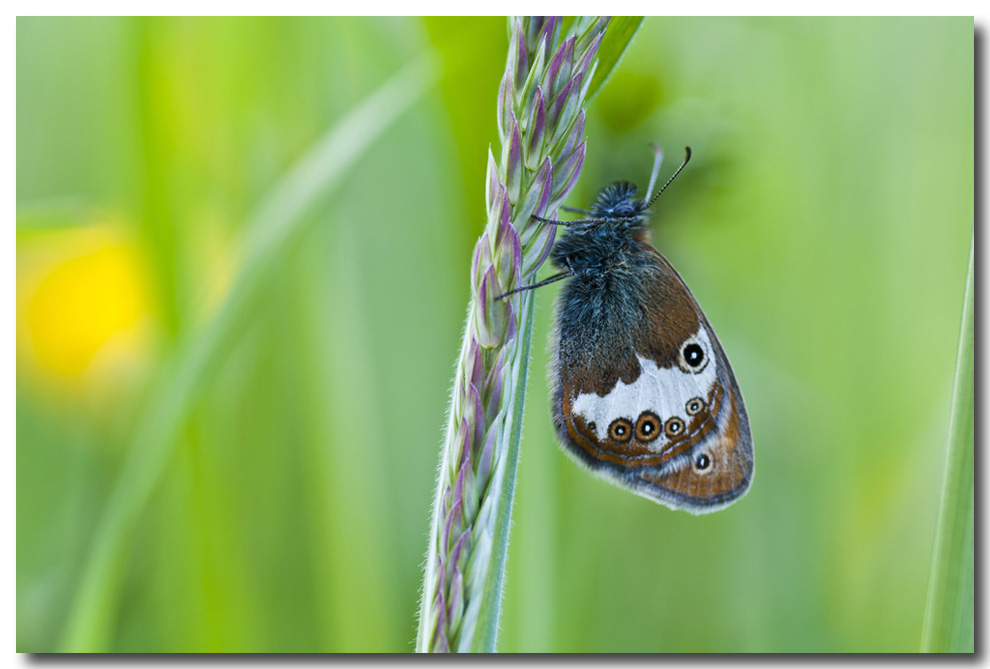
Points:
(83, 306)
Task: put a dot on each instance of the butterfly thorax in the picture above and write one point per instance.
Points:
(598, 251)
(611, 266)
(611, 241)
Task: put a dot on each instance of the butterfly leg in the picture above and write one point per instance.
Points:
(613, 219)
(551, 221)
(556, 277)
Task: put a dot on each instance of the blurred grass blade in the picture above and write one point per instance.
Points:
(949, 612)
(618, 37)
(279, 218)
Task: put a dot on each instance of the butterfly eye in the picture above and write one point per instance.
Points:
(675, 426)
(648, 426)
(702, 462)
(693, 357)
(620, 430)
(694, 406)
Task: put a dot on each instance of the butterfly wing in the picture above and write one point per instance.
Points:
(644, 394)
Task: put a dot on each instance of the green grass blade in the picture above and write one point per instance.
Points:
(949, 612)
(618, 37)
(279, 218)
(491, 596)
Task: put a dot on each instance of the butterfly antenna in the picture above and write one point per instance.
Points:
(687, 157)
(658, 158)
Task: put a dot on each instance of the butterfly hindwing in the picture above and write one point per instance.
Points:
(644, 393)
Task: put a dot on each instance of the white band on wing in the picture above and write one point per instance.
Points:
(661, 390)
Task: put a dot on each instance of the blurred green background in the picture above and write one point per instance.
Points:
(824, 225)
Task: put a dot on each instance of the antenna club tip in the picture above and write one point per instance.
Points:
(687, 157)
(657, 149)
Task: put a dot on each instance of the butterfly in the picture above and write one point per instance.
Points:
(642, 391)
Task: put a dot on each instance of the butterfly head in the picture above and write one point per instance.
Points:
(618, 207)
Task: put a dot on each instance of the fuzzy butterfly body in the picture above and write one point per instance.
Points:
(643, 393)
